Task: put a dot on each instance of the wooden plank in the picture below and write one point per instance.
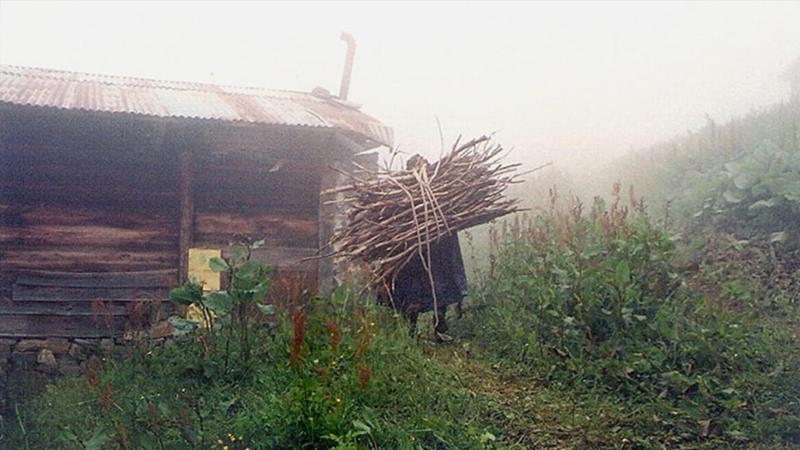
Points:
(119, 199)
(292, 288)
(85, 259)
(46, 235)
(270, 254)
(285, 257)
(54, 214)
(27, 293)
(58, 326)
(185, 228)
(284, 201)
(7, 279)
(281, 192)
(86, 173)
(58, 308)
(150, 278)
(279, 230)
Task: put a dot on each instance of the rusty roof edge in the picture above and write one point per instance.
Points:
(157, 83)
(369, 141)
(335, 113)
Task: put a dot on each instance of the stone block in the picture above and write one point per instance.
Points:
(47, 361)
(89, 344)
(55, 345)
(77, 352)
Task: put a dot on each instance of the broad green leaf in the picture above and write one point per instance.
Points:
(181, 326)
(218, 264)
(250, 269)
(260, 291)
(220, 302)
(187, 294)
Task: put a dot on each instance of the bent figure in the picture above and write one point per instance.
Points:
(412, 294)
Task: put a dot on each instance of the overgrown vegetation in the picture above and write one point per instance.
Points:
(608, 325)
(329, 376)
(589, 303)
(230, 313)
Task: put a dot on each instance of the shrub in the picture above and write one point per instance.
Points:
(230, 313)
(589, 302)
(327, 377)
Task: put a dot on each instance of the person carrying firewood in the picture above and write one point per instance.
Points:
(413, 294)
(402, 225)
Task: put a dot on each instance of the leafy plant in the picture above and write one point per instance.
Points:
(590, 302)
(359, 381)
(231, 311)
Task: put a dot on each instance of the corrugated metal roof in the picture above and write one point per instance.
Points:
(90, 92)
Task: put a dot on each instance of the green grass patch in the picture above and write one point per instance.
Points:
(354, 380)
(588, 305)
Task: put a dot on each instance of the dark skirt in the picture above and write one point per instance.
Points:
(412, 288)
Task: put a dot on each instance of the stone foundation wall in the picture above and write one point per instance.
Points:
(27, 366)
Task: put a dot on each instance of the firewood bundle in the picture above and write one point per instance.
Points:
(395, 215)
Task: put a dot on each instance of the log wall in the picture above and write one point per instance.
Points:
(93, 203)
(243, 198)
(85, 220)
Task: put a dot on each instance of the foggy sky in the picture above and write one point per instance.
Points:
(554, 81)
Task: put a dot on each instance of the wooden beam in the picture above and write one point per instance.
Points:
(186, 229)
(2, 127)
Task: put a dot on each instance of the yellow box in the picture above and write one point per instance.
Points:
(199, 269)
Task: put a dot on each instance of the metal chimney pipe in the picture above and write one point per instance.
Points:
(344, 88)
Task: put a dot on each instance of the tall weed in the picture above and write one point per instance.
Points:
(589, 301)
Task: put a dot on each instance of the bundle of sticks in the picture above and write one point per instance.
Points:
(395, 215)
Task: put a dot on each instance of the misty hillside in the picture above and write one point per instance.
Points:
(741, 177)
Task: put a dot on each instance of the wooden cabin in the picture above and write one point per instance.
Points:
(106, 183)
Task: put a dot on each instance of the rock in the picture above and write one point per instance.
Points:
(29, 345)
(91, 344)
(47, 361)
(77, 352)
(58, 346)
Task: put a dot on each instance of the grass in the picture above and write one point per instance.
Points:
(588, 305)
(370, 387)
(581, 335)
